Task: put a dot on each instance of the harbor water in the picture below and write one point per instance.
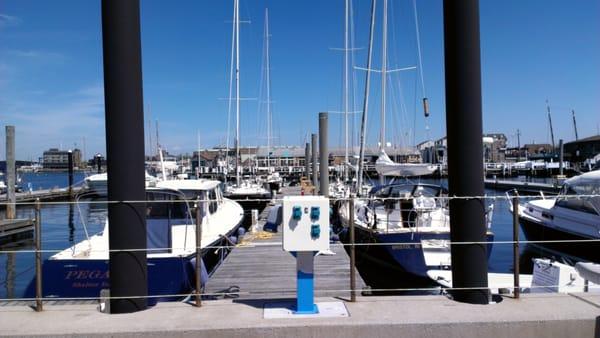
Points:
(65, 224)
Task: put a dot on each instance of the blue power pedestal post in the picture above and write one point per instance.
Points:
(305, 233)
(305, 283)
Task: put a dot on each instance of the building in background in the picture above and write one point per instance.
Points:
(54, 158)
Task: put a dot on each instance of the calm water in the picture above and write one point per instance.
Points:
(63, 226)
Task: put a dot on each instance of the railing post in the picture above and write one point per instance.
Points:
(38, 257)
(352, 249)
(198, 254)
(515, 205)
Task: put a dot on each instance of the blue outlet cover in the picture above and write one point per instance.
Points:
(315, 213)
(297, 213)
(315, 231)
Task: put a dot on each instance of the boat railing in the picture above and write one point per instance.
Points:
(512, 238)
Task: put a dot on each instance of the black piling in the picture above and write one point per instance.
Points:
(465, 150)
(324, 155)
(307, 161)
(98, 163)
(125, 147)
(561, 155)
(314, 150)
(11, 173)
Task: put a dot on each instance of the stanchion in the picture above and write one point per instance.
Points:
(352, 249)
(198, 254)
(38, 257)
(515, 205)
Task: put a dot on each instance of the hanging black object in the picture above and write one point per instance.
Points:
(425, 107)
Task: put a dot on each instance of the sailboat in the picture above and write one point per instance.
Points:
(249, 193)
(273, 179)
(403, 228)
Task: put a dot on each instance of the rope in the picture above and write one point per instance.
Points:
(316, 291)
(265, 235)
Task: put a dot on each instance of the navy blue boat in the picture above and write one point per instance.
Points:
(81, 271)
(405, 227)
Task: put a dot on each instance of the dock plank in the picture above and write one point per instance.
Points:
(258, 268)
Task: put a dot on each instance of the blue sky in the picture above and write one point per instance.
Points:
(51, 70)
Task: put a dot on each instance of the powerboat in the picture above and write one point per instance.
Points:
(249, 194)
(97, 184)
(574, 215)
(82, 270)
(405, 227)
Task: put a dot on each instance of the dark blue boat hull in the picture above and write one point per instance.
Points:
(85, 278)
(408, 253)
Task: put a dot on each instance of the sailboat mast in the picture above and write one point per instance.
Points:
(237, 91)
(551, 129)
(383, 82)
(575, 124)
(363, 124)
(268, 71)
(346, 52)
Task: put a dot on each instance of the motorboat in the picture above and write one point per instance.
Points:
(97, 184)
(251, 195)
(572, 217)
(398, 223)
(82, 270)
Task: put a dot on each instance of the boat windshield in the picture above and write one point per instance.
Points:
(582, 195)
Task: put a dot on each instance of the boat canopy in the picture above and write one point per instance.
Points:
(386, 167)
(587, 184)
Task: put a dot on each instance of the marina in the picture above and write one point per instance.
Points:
(406, 182)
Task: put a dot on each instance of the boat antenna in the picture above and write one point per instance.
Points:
(363, 125)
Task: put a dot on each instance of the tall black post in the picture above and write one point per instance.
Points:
(315, 172)
(70, 165)
(307, 161)
(324, 155)
(125, 149)
(465, 150)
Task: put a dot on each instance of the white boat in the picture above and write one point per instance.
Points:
(574, 215)
(409, 224)
(82, 270)
(386, 167)
(97, 184)
(548, 277)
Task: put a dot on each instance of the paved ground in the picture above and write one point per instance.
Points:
(546, 315)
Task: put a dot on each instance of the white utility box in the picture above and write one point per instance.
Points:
(305, 223)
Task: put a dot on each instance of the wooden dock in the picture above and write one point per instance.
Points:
(258, 268)
(54, 194)
(526, 188)
(15, 229)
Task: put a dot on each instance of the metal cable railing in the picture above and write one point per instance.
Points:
(351, 244)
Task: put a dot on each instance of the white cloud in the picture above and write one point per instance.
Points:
(44, 122)
(37, 55)
(8, 20)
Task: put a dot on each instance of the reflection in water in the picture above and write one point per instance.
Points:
(71, 225)
(9, 281)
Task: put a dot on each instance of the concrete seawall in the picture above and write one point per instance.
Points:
(542, 315)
